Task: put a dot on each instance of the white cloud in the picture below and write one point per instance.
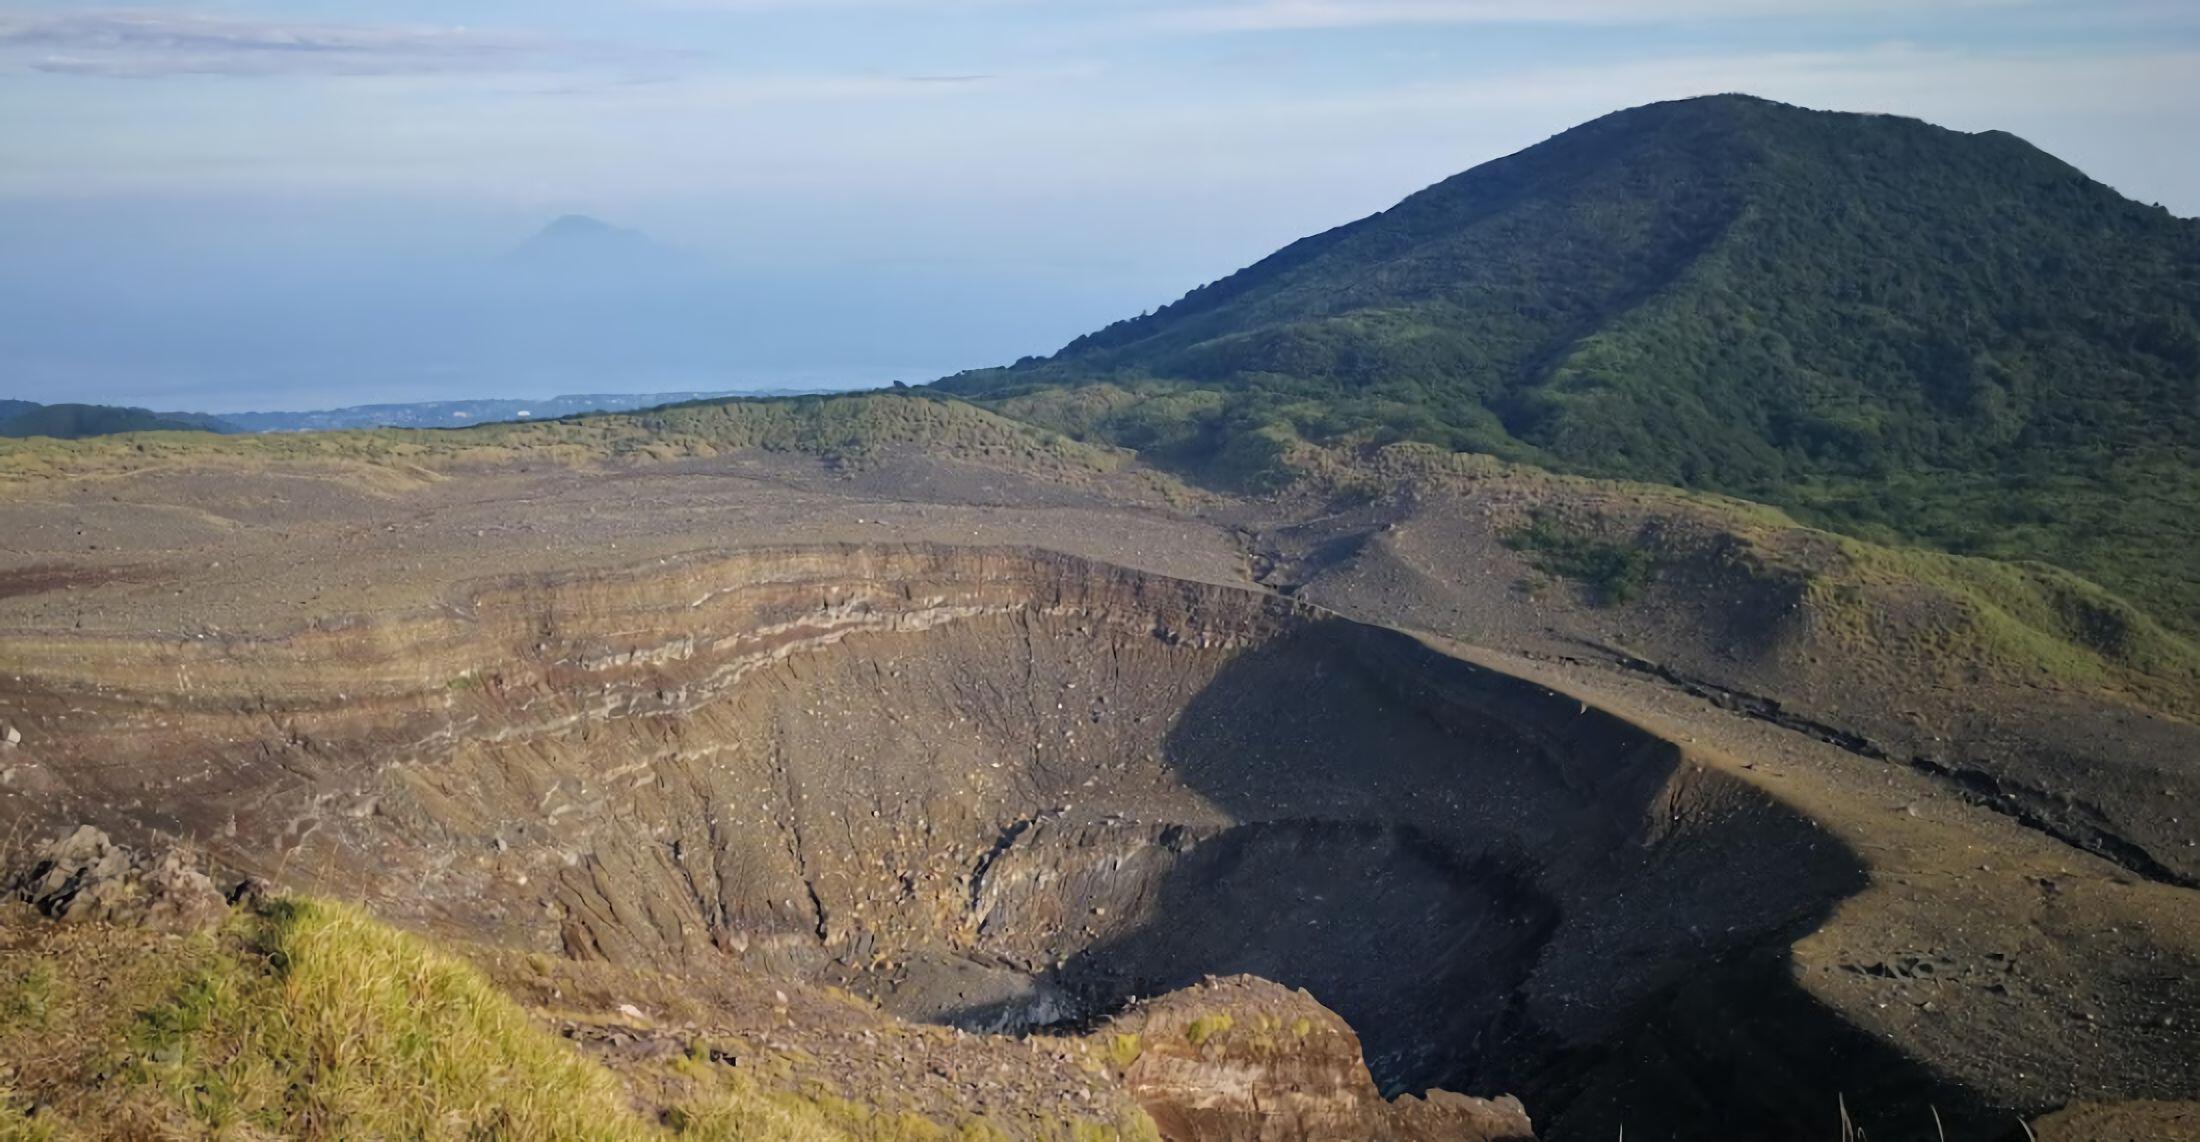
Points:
(1281, 15)
(1228, 15)
(148, 44)
(1953, 87)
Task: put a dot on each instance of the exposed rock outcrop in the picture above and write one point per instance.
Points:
(1005, 788)
(2140, 1121)
(1245, 1060)
(999, 788)
(87, 877)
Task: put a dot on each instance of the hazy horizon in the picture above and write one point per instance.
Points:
(231, 206)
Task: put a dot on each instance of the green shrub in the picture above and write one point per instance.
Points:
(1207, 1027)
(1614, 573)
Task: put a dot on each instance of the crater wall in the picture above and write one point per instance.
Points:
(1001, 788)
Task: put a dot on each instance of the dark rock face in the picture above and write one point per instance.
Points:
(1103, 911)
(86, 877)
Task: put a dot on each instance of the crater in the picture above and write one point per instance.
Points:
(1316, 903)
(1003, 789)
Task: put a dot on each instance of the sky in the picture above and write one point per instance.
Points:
(242, 203)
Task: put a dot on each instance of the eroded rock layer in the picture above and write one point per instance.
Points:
(1001, 788)
(1240, 1058)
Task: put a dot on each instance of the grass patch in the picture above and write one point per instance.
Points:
(1613, 573)
(1207, 1027)
(28, 996)
(307, 1019)
(2018, 619)
(739, 1113)
(335, 1026)
(1948, 617)
(18, 1126)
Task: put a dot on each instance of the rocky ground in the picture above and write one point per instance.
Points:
(513, 705)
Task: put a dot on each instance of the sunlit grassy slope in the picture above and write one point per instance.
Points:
(309, 1019)
(2015, 620)
(849, 430)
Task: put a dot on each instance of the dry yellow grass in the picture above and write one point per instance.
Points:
(307, 1019)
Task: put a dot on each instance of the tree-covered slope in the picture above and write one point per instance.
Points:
(1888, 326)
(77, 421)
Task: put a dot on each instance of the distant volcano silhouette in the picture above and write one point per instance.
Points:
(580, 243)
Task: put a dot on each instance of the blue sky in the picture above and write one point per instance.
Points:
(1054, 163)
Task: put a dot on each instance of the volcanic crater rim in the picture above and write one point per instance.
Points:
(995, 786)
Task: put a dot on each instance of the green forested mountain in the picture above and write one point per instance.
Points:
(77, 421)
(1887, 326)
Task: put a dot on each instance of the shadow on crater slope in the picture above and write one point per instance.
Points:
(1013, 789)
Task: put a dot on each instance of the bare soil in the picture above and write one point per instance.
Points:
(1658, 866)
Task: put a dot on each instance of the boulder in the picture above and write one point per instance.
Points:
(1241, 1058)
(86, 877)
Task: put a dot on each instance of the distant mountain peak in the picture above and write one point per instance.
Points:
(584, 226)
(584, 243)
